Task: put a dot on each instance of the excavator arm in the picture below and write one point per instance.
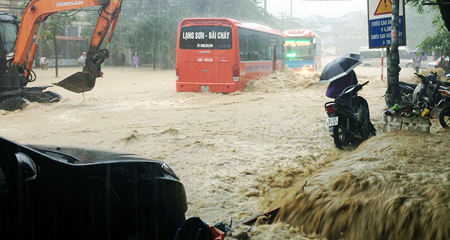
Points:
(38, 10)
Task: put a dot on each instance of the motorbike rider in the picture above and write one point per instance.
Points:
(339, 85)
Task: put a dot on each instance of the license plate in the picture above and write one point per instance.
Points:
(204, 88)
(332, 121)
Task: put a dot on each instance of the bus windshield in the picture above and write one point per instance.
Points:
(298, 48)
(205, 37)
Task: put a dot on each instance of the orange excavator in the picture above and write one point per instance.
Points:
(16, 71)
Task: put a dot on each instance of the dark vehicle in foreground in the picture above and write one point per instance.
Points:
(49, 192)
(349, 119)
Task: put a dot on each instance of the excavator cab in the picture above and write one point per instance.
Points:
(17, 40)
(13, 91)
(9, 27)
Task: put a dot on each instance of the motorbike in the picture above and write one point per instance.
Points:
(348, 118)
(429, 95)
(406, 92)
(444, 116)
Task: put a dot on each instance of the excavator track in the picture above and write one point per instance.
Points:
(21, 101)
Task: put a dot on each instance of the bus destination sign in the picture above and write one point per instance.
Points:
(294, 43)
(204, 35)
(209, 37)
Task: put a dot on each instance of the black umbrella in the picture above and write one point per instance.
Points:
(339, 67)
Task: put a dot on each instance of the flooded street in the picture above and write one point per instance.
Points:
(245, 153)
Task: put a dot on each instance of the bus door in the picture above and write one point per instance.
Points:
(274, 57)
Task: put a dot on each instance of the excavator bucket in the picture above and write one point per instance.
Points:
(78, 82)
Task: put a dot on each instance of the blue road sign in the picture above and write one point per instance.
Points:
(380, 21)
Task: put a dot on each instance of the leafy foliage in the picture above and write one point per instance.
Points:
(418, 4)
(439, 42)
(419, 25)
(150, 27)
(55, 25)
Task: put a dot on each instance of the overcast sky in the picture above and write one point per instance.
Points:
(303, 9)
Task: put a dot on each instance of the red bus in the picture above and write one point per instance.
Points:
(222, 55)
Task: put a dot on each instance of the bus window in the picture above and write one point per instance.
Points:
(255, 46)
(205, 37)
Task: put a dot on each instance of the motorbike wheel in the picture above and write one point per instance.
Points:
(340, 136)
(444, 117)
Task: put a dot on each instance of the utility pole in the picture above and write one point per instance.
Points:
(282, 20)
(393, 94)
(265, 10)
(291, 9)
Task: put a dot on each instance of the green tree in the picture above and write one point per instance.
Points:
(438, 39)
(437, 43)
(55, 26)
(118, 42)
(419, 26)
(150, 26)
(153, 33)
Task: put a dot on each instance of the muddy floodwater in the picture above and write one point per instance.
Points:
(392, 187)
(245, 153)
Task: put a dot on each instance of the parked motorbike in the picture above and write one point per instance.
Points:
(348, 118)
(444, 116)
(427, 96)
(406, 92)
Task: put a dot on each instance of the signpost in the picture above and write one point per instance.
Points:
(387, 30)
(380, 20)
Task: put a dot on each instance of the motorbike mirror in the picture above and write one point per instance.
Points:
(421, 77)
(27, 168)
